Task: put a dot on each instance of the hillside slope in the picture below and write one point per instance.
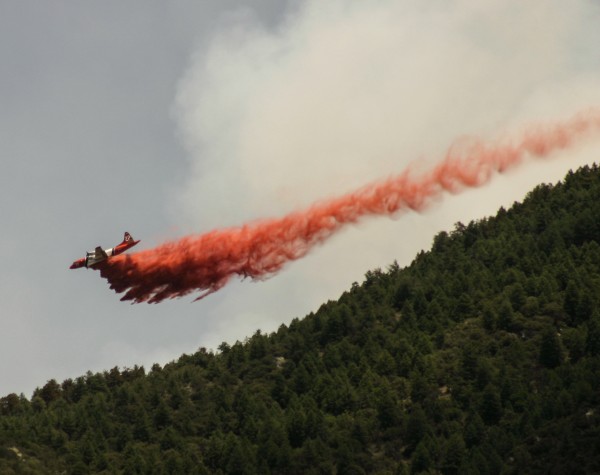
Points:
(482, 356)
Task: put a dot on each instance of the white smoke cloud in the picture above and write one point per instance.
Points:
(345, 92)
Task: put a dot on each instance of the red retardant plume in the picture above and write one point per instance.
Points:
(205, 263)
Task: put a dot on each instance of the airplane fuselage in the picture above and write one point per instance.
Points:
(100, 255)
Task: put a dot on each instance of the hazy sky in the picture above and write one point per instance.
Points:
(168, 118)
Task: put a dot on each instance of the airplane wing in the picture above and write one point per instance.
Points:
(95, 256)
(99, 253)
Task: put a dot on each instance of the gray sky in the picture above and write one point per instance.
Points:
(167, 118)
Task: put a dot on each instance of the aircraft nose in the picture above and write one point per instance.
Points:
(76, 264)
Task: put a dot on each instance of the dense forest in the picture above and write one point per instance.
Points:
(480, 357)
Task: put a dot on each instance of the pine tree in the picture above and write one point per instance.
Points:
(454, 455)
(551, 354)
(491, 405)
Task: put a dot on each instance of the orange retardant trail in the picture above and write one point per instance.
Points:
(206, 262)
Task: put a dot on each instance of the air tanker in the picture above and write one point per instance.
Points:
(98, 255)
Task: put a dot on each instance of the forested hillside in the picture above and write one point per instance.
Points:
(482, 356)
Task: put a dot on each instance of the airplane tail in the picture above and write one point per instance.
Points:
(127, 238)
